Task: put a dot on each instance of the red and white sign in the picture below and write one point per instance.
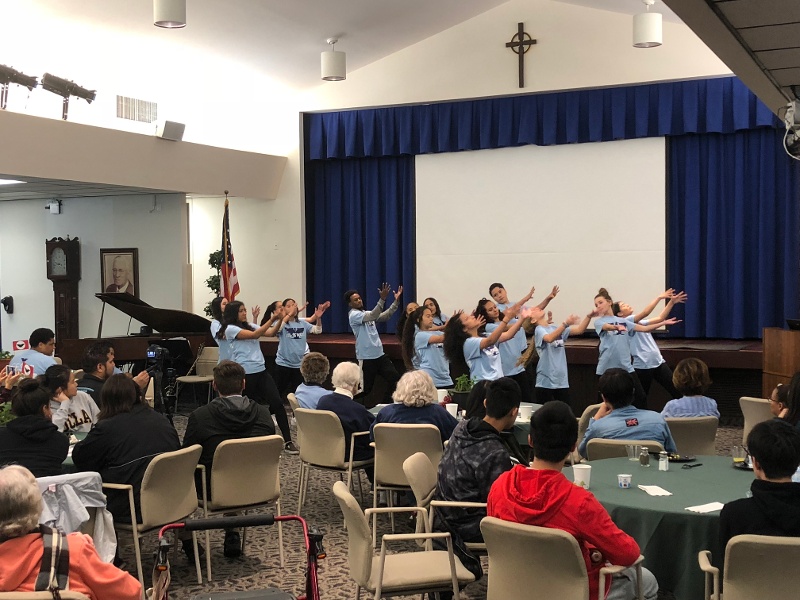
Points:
(27, 370)
(18, 345)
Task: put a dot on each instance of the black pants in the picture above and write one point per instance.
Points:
(524, 381)
(544, 395)
(382, 366)
(287, 379)
(639, 397)
(662, 374)
(261, 388)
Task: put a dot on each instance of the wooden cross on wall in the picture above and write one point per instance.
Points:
(520, 44)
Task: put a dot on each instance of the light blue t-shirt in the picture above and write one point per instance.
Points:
(644, 349)
(245, 352)
(40, 362)
(551, 371)
(308, 395)
(509, 351)
(483, 364)
(224, 345)
(368, 342)
(615, 348)
(431, 358)
(441, 319)
(630, 423)
(293, 343)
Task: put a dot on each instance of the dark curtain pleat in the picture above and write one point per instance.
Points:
(733, 232)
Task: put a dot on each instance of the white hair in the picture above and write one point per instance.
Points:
(416, 389)
(346, 375)
(20, 502)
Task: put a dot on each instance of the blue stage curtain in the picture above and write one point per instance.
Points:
(721, 105)
(733, 232)
(359, 232)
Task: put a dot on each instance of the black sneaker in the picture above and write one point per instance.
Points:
(233, 544)
(188, 549)
(290, 448)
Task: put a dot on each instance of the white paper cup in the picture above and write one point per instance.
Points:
(452, 408)
(525, 412)
(582, 475)
(624, 480)
(442, 394)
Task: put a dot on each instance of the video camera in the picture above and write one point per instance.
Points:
(156, 357)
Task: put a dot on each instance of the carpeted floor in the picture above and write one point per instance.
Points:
(259, 567)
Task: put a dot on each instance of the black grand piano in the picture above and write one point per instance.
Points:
(180, 332)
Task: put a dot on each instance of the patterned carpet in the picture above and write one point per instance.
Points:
(259, 567)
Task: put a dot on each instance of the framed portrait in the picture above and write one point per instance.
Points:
(120, 270)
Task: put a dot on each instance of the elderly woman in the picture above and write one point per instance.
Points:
(415, 403)
(314, 368)
(22, 547)
(31, 439)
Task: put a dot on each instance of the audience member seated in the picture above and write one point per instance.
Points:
(691, 379)
(22, 546)
(314, 368)
(98, 365)
(416, 402)
(541, 495)
(785, 401)
(354, 417)
(40, 354)
(474, 458)
(774, 508)
(618, 420)
(127, 436)
(31, 439)
(476, 408)
(229, 416)
(72, 409)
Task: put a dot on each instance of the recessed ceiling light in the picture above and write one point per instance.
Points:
(10, 181)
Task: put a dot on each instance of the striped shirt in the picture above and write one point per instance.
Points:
(691, 406)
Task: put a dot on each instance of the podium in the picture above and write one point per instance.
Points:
(781, 358)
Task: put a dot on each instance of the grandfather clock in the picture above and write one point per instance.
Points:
(64, 270)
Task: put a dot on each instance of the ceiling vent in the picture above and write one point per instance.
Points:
(136, 110)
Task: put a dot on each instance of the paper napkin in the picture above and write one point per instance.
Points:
(706, 508)
(654, 490)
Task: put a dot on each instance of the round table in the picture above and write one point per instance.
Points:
(668, 535)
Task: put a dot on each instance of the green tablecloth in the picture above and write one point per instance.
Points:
(668, 535)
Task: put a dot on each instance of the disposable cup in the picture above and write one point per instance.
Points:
(582, 475)
(525, 412)
(624, 480)
(633, 451)
(739, 454)
(452, 408)
(442, 394)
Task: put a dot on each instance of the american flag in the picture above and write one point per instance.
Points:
(230, 280)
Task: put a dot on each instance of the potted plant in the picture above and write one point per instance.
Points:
(461, 391)
(213, 282)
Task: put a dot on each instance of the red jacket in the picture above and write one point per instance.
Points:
(546, 498)
(21, 559)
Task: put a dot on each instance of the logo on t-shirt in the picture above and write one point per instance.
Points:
(295, 333)
(633, 422)
(491, 350)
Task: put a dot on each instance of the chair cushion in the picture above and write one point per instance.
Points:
(417, 571)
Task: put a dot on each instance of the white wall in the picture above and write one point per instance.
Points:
(119, 222)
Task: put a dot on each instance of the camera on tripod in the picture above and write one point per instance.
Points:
(156, 357)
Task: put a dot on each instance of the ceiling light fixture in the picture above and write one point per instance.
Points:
(10, 75)
(65, 89)
(11, 181)
(169, 14)
(647, 28)
(334, 64)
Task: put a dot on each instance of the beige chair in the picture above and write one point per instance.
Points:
(598, 448)
(755, 568)
(399, 572)
(322, 446)
(547, 563)
(293, 401)
(168, 495)
(694, 435)
(394, 443)
(203, 369)
(245, 474)
(78, 374)
(65, 595)
(422, 478)
(755, 410)
(586, 418)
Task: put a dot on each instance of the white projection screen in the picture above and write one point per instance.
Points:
(580, 216)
